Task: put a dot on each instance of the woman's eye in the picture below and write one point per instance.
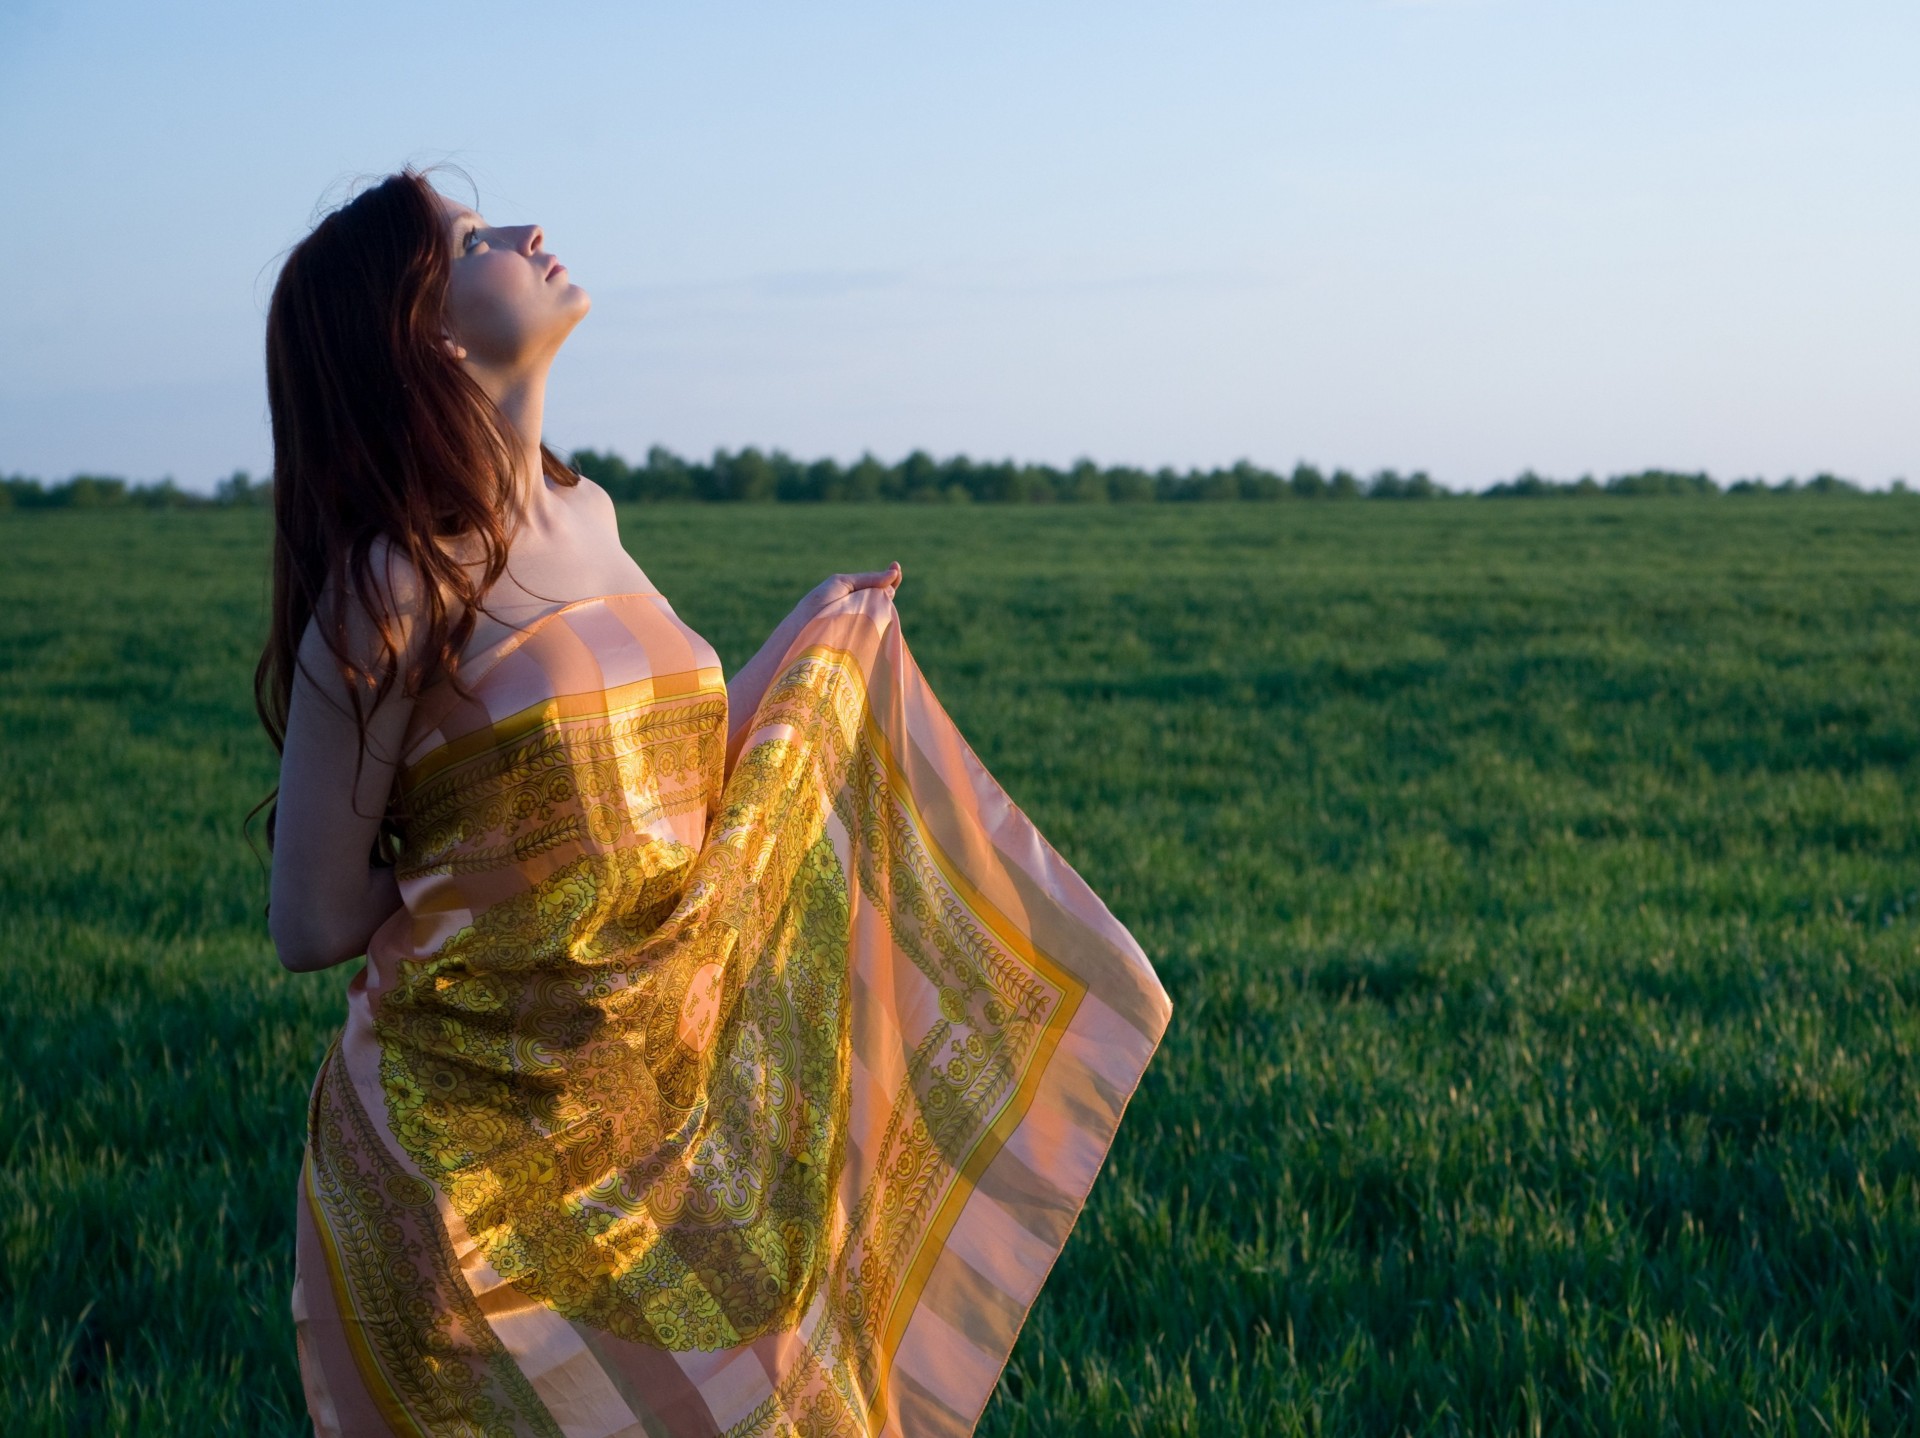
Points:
(473, 238)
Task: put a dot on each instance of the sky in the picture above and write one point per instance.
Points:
(1470, 237)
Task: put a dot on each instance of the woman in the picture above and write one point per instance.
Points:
(730, 1057)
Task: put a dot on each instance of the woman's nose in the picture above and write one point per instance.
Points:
(532, 239)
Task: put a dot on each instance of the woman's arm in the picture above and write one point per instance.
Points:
(327, 899)
(749, 685)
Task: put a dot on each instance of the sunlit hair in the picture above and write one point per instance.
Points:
(379, 434)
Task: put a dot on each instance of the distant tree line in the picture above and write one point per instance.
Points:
(103, 491)
(753, 476)
(1665, 482)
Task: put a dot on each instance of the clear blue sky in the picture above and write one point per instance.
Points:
(1469, 236)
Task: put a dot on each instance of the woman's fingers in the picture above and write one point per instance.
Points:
(888, 578)
(839, 586)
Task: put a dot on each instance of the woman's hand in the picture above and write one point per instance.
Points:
(746, 688)
(839, 586)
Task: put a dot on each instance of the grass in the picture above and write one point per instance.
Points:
(1536, 883)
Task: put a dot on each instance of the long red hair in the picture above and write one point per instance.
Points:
(379, 435)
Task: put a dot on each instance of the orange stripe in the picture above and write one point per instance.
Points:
(984, 908)
(487, 659)
(933, 1242)
(371, 1375)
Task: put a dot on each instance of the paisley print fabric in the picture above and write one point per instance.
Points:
(688, 1096)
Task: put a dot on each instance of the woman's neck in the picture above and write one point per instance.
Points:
(522, 400)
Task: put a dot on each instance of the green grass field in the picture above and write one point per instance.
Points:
(1538, 887)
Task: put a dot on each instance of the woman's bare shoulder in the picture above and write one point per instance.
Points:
(596, 502)
(383, 606)
(394, 580)
(392, 592)
(603, 521)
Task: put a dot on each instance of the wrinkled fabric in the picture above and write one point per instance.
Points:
(698, 1095)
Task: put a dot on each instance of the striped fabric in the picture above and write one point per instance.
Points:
(697, 1093)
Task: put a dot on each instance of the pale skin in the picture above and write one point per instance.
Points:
(510, 307)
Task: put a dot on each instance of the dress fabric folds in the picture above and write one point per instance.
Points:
(696, 1092)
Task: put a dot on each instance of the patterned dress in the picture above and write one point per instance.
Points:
(704, 1093)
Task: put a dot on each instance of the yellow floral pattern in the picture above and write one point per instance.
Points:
(418, 1319)
(600, 777)
(630, 1079)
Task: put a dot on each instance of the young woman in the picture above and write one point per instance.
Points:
(729, 1057)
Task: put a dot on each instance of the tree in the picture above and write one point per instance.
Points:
(1252, 482)
(237, 490)
(608, 470)
(1085, 484)
(666, 476)
(866, 479)
(825, 480)
(749, 477)
(918, 477)
(95, 491)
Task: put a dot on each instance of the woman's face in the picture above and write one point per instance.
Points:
(510, 304)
